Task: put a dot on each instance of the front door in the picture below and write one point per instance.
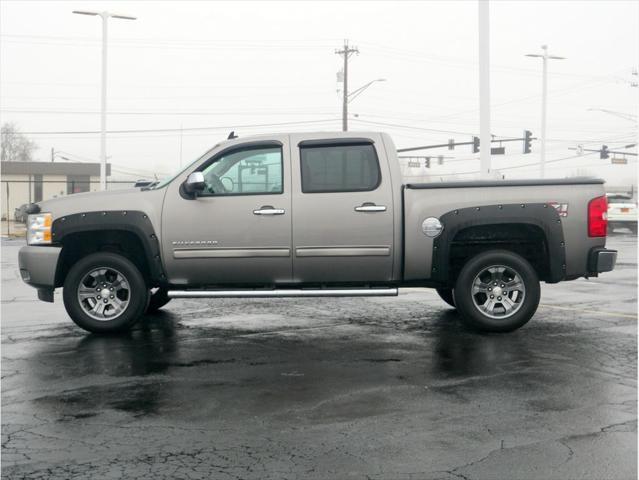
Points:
(239, 229)
(342, 211)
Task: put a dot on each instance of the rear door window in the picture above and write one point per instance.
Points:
(339, 168)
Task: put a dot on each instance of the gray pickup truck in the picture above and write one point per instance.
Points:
(314, 215)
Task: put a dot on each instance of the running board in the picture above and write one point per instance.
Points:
(286, 292)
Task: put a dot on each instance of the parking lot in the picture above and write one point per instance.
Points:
(325, 388)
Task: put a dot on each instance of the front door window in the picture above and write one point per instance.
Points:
(245, 172)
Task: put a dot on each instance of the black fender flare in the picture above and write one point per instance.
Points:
(132, 221)
(542, 215)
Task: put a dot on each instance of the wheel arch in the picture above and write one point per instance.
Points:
(129, 233)
(533, 231)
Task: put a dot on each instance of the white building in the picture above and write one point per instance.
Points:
(27, 182)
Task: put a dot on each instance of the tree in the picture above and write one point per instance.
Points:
(15, 146)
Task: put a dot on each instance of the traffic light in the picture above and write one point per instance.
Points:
(603, 153)
(527, 140)
(475, 144)
(427, 162)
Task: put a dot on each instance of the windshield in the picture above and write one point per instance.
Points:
(165, 181)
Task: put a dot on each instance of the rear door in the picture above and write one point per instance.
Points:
(342, 210)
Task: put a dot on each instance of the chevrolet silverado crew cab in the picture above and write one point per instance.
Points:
(314, 215)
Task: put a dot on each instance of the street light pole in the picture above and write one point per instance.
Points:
(484, 88)
(544, 100)
(103, 101)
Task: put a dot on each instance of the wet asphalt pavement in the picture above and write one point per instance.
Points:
(325, 388)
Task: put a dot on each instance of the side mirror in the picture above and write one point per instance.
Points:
(194, 183)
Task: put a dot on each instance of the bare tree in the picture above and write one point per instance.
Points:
(15, 147)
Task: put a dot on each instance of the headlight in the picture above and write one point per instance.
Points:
(39, 229)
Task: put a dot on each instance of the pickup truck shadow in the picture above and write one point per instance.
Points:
(138, 352)
(462, 352)
(103, 369)
(164, 368)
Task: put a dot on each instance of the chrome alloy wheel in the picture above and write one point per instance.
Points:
(498, 291)
(104, 294)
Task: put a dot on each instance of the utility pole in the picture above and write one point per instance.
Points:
(103, 101)
(52, 154)
(347, 51)
(484, 87)
(544, 100)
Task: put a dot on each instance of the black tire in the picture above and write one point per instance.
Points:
(465, 300)
(137, 294)
(446, 295)
(157, 300)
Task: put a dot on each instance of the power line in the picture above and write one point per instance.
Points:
(411, 127)
(160, 130)
(286, 91)
(160, 113)
(116, 167)
(236, 85)
(154, 43)
(572, 131)
(393, 51)
(163, 43)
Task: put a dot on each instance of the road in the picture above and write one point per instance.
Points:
(325, 388)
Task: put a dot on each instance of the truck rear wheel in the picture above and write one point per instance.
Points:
(105, 292)
(446, 294)
(497, 291)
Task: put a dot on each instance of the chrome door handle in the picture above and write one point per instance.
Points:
(370, 207)
(268, 210)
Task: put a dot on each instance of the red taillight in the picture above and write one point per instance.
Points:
(598, 217)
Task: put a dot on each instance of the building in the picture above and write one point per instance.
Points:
(26, 182)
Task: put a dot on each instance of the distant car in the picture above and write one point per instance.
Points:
(622, 212)
(20, 214)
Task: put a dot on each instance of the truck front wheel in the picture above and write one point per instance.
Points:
(497, 291)
(105, 292)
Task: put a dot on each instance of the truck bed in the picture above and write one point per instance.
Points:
(571, 195)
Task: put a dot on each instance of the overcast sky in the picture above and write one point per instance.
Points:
(257, 67)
